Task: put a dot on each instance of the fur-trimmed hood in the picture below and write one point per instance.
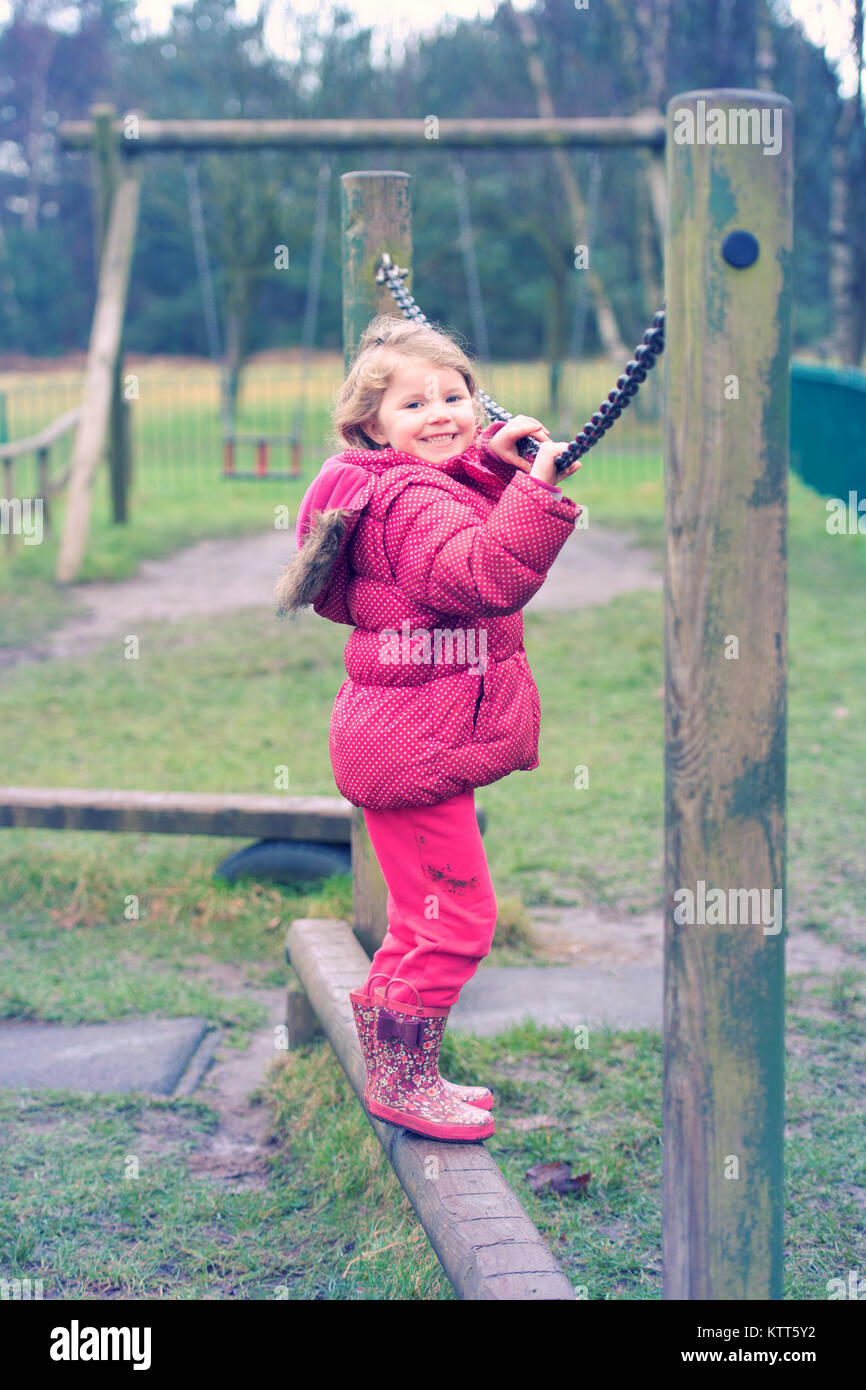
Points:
(327, 517)
(318, 572)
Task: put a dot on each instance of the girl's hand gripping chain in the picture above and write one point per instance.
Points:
(504, 445)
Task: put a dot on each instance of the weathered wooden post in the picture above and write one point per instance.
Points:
(728, 327)
(100, 400)
(376, 217)
(105, 162)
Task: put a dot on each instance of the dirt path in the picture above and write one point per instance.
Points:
(235, 1155)
(585, 936)
(217, 576)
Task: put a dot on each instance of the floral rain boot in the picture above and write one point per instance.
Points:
(366, 1011)
(366, 1017)
(403, 1081)
(479, 1096)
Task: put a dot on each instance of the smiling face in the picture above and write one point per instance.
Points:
(425, 411)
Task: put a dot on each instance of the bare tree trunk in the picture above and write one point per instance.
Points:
(647, 251)
(860, 175)
(11, 306)
(650, 20)
(843, 274)
(30, 220)
(846, 268)
(765, 58)
(605, 316)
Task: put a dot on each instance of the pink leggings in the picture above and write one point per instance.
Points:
(441, 906)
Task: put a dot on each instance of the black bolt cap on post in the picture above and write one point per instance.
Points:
(740, 249)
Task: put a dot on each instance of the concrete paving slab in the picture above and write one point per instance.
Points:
(147, 1054)
(556, 996)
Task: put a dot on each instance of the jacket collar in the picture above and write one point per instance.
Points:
(465, 467)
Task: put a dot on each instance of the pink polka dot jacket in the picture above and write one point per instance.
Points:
(431, 565)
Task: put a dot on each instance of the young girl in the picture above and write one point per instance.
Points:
(428, 534)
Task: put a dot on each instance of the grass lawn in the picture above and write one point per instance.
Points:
(333, 1222)
(219, 705)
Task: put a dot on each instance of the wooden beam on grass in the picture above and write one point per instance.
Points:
(484, 1240)
(325, 819)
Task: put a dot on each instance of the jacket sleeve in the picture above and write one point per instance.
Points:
(444, 558)
(503, 470)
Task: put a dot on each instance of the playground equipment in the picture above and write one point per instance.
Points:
(727, 319)
(828, 429)
(117, 148)
(205, 279)
(294, 438)
(231, 436)
(40, 445)
(728, 312)
(300, 837)
(627, 385)
(262, 443)
(483, 1238)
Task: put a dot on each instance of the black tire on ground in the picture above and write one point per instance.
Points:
(286, 861)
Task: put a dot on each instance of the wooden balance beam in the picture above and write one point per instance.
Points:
(326, 819)
(485, 1242)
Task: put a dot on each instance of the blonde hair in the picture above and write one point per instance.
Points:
(386, 342)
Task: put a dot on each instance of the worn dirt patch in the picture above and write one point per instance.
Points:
(235, 1156)
(218, 576)
(587, 936)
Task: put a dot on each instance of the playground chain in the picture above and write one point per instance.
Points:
(627, 385)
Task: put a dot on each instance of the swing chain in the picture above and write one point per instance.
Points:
(626, 387)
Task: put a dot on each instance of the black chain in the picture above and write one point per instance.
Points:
(627, 385)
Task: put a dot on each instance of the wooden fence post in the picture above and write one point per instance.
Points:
(376, 216)
(728, 268)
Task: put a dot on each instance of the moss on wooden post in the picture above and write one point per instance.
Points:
(376, 216)
(728, 328)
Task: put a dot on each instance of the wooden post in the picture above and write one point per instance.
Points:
(42, 486)
(105, 160)
(9, 493)
(369, 889)
(376, 216)
(100, 376)
(728, 330)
